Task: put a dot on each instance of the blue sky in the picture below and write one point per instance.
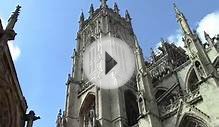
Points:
(46, 38)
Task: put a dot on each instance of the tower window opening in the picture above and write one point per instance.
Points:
(132, 111)
(192, 81)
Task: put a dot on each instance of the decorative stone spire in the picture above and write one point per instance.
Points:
(139, 56)
(153, 55)
(127, 16)
(59, 119)
(13, 19)
(208, 39)
(116, 9)
(60, 113)
(9, 30)
(103, 3)
(81, 22)
(163, 47)
(82, 17)
(182, 21)
(206, 35)
(1, 28)
(91, 10)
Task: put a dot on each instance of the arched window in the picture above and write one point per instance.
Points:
(165, 102)
(192, 81)
(132, 112)
(199, 69)
(87, 112)
(191, 121)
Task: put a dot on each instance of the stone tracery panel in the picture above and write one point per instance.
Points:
(160, 70)
(192, 121)
(166, 104)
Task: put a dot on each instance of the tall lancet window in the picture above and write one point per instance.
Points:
(192, 81)
(87, 112)
(132, 111)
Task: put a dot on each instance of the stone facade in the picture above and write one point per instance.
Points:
(13, 105)
(176, 88)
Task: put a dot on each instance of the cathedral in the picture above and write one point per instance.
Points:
(178, 87)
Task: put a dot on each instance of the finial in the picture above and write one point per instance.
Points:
(153, 54)
(162, 40)
(69, 79)
(208, 38)
(75, 52)
(206, 34)
(116, 9)
(13, 19)
(177, 11)
(182, 20)
(179, 14)
(91, 10)
(81, 22)
(163, 47)
(127, 16)
(60, 113)
(1, 28)
(82, 16)
(103, 3)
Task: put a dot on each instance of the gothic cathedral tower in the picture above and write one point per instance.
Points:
(90, 106)
(177, 88)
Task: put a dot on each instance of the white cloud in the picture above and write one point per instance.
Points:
(209, 23)
(176, 38)
(14, 49)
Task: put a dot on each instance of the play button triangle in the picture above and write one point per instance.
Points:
(109, 63)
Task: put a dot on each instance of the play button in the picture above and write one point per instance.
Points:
(109, 62)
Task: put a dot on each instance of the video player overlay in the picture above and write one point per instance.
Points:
(109, 62)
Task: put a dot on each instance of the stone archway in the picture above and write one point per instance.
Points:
(190, 120)
(87, 112)
(191, 80)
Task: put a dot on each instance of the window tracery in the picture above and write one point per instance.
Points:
(191, 121)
